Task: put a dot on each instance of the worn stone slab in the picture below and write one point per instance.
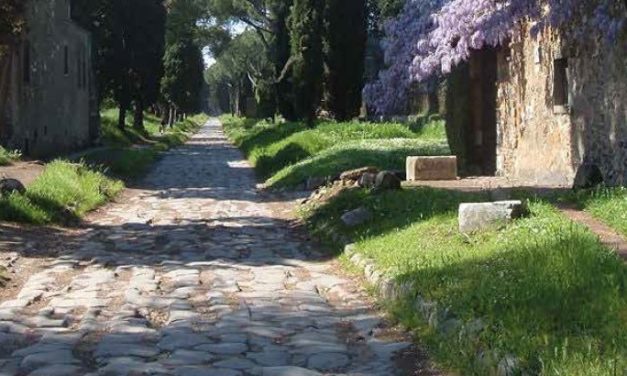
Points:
(489, 215)
(285, 371)
(328, 361)
(431, 168)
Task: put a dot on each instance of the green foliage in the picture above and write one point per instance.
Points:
(128, 42)
(546, 291)
(386, 154)
(286, 154)
(240, 66)
(8, 157)
(183, 77)
(345, 34)
(63, 193)
(124, 163)
(306, 35)
(11, 17)
(390, 8)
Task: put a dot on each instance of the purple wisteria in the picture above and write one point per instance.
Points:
(430, 37)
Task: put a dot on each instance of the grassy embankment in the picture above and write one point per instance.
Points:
(286, 154)
(544, 291)
(63, 193)
(66, 191)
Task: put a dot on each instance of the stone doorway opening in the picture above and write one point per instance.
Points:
(481, 141)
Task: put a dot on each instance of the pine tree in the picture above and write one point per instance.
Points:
(346, 23)
(306, 32)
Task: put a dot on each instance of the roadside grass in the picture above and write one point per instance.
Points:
(129, 154)
(62, 194)
(544, 289)
(285, 154)
(607, 204)
(129, 163)
(382, 153)
(8, 157)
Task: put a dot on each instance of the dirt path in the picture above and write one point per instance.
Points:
(606, 234)
(195, 273)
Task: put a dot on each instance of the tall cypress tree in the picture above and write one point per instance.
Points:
(306, 34)
(346, 32)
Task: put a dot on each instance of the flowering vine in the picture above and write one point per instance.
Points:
(430, 37)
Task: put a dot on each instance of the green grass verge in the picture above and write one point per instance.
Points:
(131, 153)
(544, 288)
(285, 154)
(607, 204)
(8, 157)
(62, 194)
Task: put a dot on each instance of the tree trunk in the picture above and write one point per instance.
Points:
(433, 102)
(138, 119)
(122, 116)
(172, 114)
(164, 114)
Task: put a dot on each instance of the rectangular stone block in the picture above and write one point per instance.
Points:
(431, 168)
(475, 217)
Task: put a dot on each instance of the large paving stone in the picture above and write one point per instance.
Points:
(188, 357)
(270, 358)
(223, 348)
(182, 341)
(285, 371)
(328, 361)
(38, 360)
(58, 370)
(205, 371)
(120, 350)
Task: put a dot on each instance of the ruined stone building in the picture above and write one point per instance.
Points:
(548, 110)
(48, 101)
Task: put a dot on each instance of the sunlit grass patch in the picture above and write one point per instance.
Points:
(63, 192)
(607, 204)
(286, 154)
(7, 157)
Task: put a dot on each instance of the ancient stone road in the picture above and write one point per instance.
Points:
(194, 274)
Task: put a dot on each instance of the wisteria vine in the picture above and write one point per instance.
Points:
(430, 37)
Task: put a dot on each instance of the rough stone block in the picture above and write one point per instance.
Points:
(431, 168)
(356, 217)
(387, 180)
(489, 215)
(357, 173)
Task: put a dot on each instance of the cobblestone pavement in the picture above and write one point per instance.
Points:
(194, 274)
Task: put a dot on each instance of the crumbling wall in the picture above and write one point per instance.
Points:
(544, 142)
(534, 142)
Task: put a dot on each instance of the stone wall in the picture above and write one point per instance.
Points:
(51, 105)
(541, 141)
(544, 142)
